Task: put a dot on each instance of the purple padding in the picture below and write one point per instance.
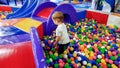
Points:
(14, 39)
(70, 15)
(41, 19)
(42, 6)
(37, 49)
(81, 14)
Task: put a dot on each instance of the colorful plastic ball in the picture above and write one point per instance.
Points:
(74, 54)
(94, 66)
(68, 60)
(72, 59)
(84, 62)
(75, 66)
(55, 65)
(83, 67)
(110, 61)
(67, 65)
(56, 54)
(60, 56)
(112, 58)
(65, 56)
(51, 60)
(61, 65)
(79, 58)
(99, 56)
(88, 67)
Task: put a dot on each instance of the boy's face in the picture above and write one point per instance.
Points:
(56, 21)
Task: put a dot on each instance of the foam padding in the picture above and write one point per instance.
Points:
(10, 22)
(45, 12)
(27, 23)
(100, 17)
(17, 55)
(113, 20)
(5, 8)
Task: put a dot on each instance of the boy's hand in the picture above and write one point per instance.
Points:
(54, 44)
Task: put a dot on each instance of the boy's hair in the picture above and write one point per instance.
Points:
(58, 15)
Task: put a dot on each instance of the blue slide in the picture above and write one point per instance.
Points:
(26, 10)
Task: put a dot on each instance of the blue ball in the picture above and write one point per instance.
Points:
(93, 62)
(76, 61)
(88, 67)
(118, 58)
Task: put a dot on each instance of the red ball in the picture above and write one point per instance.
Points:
(74, 65)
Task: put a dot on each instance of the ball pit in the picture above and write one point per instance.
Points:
(92, 45)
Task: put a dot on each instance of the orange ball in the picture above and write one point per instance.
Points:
(72, 59)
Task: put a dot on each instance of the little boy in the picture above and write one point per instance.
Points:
(61, 32)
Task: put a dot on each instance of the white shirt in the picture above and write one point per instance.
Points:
(62, 31)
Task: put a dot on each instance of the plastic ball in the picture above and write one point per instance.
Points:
(84, 62)
(68, 60)
(94, 66)
(55, 65)
(112, 58)
(99, 56)
(51, 60)
(79, 58)
(74, 55)
(75, 66)
(65, 56)
(56, 54)
(110, 61)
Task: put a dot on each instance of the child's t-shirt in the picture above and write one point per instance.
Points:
(62, 31)
(118, 6)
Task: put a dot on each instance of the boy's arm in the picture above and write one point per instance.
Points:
(57, 40)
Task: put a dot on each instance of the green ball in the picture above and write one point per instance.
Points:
(81, 43)
(100, 67)
(118, 55)
(53, 50)
(47, 61)
(109, 65)
(51, 55)
(90, 49)
(55, 65)
(79, 36)
(69, 61)
(102, 50)
(60, 56)
(54, 57)
(72, 42)
(67, 66)
(112, 58)
(98, 60)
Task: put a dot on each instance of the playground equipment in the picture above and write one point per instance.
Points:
(32, 54)
(28, 8)
(8, 1)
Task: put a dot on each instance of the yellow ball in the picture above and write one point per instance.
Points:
(74, 54)
(72, 62)
(103, 61)
(94, 66)
(79, 64)
(87, 56)
(108, 47)
(88, 40)
(56, 54)
(119, 49)
(89, 64)
(71, 48)
(65, 52)
(83, 67)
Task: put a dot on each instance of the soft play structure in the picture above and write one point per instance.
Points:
(29, 53)
(44, 12)
(3, 2)
(28, 7)
(33, 56)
